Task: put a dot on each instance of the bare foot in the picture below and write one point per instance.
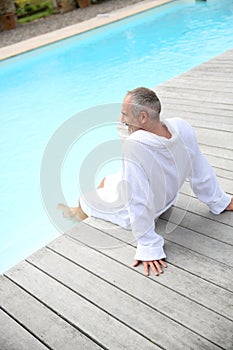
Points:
(68, 212)
(73, 213)
(230, 206)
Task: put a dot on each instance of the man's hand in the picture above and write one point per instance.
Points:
(155, 265)
(230, 206)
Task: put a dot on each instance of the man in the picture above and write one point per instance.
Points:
(157, 158)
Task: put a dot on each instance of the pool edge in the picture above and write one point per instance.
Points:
(69, 31)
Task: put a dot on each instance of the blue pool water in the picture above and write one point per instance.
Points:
(42, 89)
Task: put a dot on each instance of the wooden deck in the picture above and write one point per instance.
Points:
(81, 291)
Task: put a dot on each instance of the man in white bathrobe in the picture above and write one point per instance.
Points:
(157, 158)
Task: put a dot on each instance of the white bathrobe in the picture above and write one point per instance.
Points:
(153, 170)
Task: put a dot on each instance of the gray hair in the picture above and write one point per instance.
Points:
(145, 100)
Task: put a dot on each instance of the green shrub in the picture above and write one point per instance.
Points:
(30, 9)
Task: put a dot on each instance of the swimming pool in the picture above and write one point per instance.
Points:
(42, 89)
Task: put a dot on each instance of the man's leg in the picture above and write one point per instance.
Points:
(75, 213)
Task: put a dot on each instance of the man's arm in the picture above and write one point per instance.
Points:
(141, 212)
(202, 177)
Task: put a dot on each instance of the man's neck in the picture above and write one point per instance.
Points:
(159, 129)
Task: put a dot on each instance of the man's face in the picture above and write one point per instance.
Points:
(127, 116)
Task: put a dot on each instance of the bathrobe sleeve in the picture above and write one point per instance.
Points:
(141, 210)
(203, 180)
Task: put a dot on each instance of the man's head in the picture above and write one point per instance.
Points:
(140, 109)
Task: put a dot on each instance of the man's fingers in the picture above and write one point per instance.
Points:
(146, 268)
(135, 263)
(158, 267)
(154, 268)
(150, 264)
(162, 263)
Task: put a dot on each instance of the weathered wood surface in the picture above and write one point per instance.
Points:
(81, 291)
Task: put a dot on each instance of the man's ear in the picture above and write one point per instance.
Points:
(144, 117)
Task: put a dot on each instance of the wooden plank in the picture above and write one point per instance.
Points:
(194, 118)
(195, 83)
(194, 106)
(221, 59)
(217, 152)
(218, 61)
(192, 88)
(205, 74)
(192, 204)
(194, 103)
(226, 174)
(223, 163)
(215, 65)
(117, 303)
(205, 226)
(44, 324)
(210, 96)
(192, 111)
(182, 257)
(205, 124)
(216, 250)
(213, 78)
(211, 137)
(186, 311)
(215, 68)
(178, 281)
(226, 184)
(77, 310)
(15, 337)
(204, 121)
(187, 200)
(225, 55)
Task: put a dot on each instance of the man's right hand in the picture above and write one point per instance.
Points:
(155, 266)
(230, 206)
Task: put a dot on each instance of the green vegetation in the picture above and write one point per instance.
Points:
(28, 11)
(22, 3)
